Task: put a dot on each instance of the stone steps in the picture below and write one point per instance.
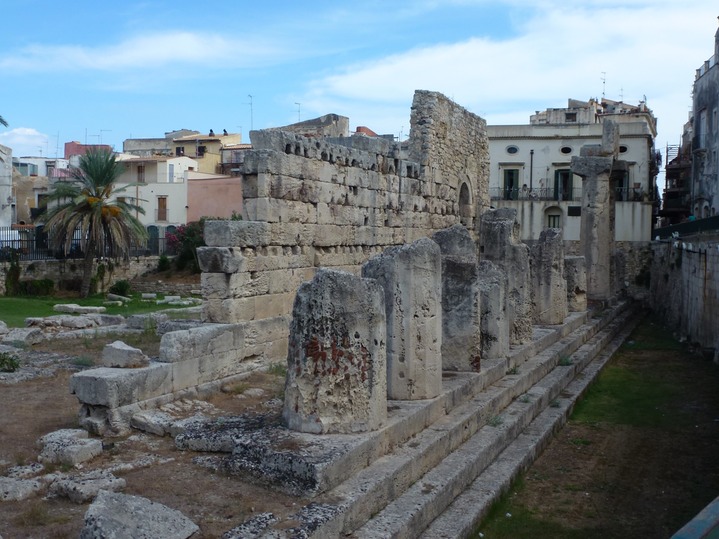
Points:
(399, 493)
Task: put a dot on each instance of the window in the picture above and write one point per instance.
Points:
(563, 185)
(161, 208)
(180, 151)
(201, 150)
(141, 173)
(566, 149)
(570, 117)
(511, 183)
(512, 149)
(623, 149)
(554, 220)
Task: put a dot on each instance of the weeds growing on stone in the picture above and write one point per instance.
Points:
(495, 421)
(513, 370)
(9, 362)
(554, 403)
(524, 398)
(565, 361)
(278, 369)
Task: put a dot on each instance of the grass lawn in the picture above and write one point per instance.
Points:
(14, 310)
(637, 457)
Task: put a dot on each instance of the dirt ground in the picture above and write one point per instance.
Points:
(629, 477)
(594, 480)
(154, 467)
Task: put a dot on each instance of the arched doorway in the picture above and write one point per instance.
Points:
(465, 206)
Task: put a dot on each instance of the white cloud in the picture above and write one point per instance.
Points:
(641, 48)
(24, 141)
(147, 53)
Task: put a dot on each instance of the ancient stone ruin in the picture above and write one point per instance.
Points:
(411, 319)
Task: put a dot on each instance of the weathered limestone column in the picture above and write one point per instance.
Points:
(411, 276)
(575, 273)
(461, 315)
(336, 363)
(550, 286)
(594, 165)
(495, 329)
(501, 243)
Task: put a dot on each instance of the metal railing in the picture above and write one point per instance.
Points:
(707, 225)
(536, 193)
(32, 244)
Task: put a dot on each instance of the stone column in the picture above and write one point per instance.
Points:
(550, 285)
(411, 276)
(594, 165)
(495, 329)
(461, 315)
(336, 362)
(501, 243)
(575, 273)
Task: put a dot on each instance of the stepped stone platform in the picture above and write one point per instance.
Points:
(437, 464)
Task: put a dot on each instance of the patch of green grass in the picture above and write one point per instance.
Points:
(83, 361)
(524, 398)
(565, 361)
(624, 396)
(37, 514)
(580, 441)
(513, 370)
(16, 309)
(652, 336)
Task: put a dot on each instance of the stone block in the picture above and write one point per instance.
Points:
(221, 259)
(68, 446)
(28, 336)
(237, 233)
(73, 308)
(336, 359)
(13, 490)
(411, 276)
(206, 340)
(85, 487)
(112, 388)
(118, 354)
(119, 515)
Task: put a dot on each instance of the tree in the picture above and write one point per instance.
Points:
(86, 210)
(2, 121)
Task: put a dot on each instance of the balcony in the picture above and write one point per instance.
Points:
(541, 193)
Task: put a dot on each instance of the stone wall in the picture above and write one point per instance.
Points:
(313, 202)
(684, 289)
(63, 272)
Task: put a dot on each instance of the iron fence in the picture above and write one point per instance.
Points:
(698, 226)
(31, 243)
(535, 193)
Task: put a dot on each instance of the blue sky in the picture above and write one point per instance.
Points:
(103, 72)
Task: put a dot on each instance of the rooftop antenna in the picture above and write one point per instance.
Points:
(298, 110)
(621, 94)
(604, 82)
(251, 119)
(106, 130)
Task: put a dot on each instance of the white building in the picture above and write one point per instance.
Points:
(7, 202)
(530, 168)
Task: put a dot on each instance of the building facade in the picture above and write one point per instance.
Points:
(530, 168)
(705, 141)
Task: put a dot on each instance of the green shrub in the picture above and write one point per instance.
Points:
(164, 263)
(9, 362)
(36, 287)
(121, 288)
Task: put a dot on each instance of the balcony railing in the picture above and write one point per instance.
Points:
(537, 193)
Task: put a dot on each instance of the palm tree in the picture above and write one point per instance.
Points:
(2, 121)
(88, 206)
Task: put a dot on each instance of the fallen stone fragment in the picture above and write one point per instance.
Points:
(77, 309)
(119, 354)
(121, 515)
(83, 488)
(252, 528)
(26, 471)
(117, 297)
(12, 489)
(27, 336)
(68, 446)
